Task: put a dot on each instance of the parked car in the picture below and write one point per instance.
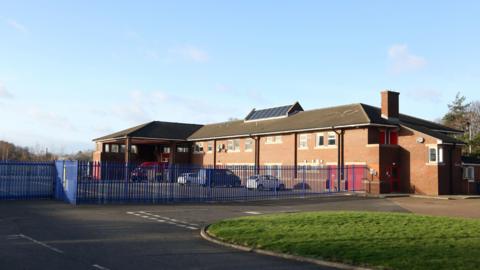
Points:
(148, 171)
(190, 178)
(211, 177)
(261, 182)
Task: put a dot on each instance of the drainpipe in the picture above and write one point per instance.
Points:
(340, 153)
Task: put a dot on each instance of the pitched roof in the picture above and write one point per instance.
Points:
(325, 118)
(346, 115)
(156, 130)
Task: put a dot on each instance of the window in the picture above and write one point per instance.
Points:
(122, 148)
(233, 145)
(468, 173)
(198, 147)
(274, 139)
(182, 149)
(388, 137)
(393, 137)
(107, 148)
(166, 149)
(435, 154)
(134, 149)
(303, 141)
(432, 155)
(320, 140)
(209, 147)
(332, 139)
(248, 145)
(220, 146)
(114, 148)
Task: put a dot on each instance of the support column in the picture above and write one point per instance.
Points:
(214, 154)
(128, 148)
(295, 158)
(257, 154)
(173, 151)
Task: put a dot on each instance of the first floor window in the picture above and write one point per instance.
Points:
(332, 139)
(303, 141)
(248, 145)
(210, 146)
(134, 149)
(233, 145)
(107, 148)
(182, 149)
(320, 140)
(236, 145)
(274, 139)
(114, 148)
(198, 147)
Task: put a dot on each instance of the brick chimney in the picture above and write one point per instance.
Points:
(390, 105)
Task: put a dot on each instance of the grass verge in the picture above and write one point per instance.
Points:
(379, 240)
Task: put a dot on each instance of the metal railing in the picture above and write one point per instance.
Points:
(26, 180)
(147, 183)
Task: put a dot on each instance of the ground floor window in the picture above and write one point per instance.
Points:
(435, 154)
(468, 173)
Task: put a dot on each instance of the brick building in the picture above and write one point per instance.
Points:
(404, 153)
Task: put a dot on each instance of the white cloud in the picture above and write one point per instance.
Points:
(17, 26)
(402, 60)
(191, 53)
(4, 93)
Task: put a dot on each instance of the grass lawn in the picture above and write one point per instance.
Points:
(378, 240)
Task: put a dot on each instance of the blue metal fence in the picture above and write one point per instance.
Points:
(26, 180)
(147, 183)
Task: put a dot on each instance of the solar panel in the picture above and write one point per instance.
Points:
(268, 113)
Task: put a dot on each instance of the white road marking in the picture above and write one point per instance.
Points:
(35, 241)
(100, 267)
(167, 220)
(252, 212)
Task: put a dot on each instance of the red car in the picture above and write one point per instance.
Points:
(149, 171)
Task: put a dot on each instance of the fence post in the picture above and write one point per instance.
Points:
(304, 175)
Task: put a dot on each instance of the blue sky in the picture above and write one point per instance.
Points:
(73, 71)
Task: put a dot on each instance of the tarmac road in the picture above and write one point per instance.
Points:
(54, 235)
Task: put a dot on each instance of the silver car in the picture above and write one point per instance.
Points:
(267, 182)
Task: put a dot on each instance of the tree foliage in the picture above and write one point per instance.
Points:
(463, 115)
(10, 151)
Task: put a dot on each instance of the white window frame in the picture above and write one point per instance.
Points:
(233, 145)
(115, 148)
(317, 140)
(249, 143)
(277, 139)
(438, 150)
(469, 173)
(330, 134)
(303, 141)
(209, 147)
(198, 148)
